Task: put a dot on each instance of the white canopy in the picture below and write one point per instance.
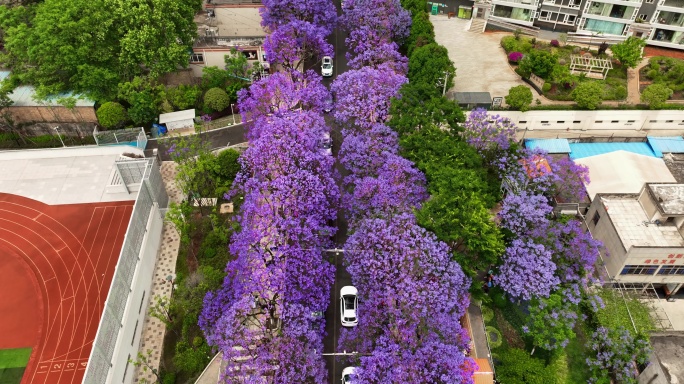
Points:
(623, 172)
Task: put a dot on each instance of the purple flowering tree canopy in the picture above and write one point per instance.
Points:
(295, 42)
(384, 17)
(363, 95)
(491, 135)
(527, 270)
(276, 13)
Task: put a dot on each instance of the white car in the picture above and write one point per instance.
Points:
(326, 144)
(347, 373)
(327, 66)
(349, 303)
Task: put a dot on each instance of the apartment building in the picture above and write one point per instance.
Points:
(642, 234)
(660, 22)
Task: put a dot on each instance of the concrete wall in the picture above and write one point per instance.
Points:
(214, 57)
(614, 254)
(647, 204)
(30, 114)
(604, 120)
(128, 341)
(65, 129)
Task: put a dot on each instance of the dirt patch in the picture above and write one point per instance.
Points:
(509, 333)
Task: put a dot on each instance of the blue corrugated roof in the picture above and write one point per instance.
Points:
(581, 150)
(549, 145)
(673, 144)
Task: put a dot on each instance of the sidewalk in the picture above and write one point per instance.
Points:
(153, 329)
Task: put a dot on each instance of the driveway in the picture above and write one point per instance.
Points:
(481, 64)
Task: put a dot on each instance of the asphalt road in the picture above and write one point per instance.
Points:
(218, 138)
(342, 277)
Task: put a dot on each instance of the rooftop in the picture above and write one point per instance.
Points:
(23, 96)
(669, 197)
(630, 222)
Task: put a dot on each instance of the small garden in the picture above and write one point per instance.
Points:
(202, 256)
(140, 101)
(517, 359)
(664, 74)
(551, 61)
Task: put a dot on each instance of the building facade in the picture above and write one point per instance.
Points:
(642, 235)
(222, 25)
(660, 22)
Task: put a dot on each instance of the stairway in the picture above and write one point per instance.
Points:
(477, 25)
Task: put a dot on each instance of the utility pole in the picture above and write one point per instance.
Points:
(446, 80)
(232, 113)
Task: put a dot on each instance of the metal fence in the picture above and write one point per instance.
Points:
(151, 191)
(127, 136)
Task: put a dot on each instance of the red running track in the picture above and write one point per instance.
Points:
(56, 266)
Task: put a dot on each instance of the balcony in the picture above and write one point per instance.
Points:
(670, 18)
(672, 3)
(521, 14)
(531, 3)
(668, 36)
(611, 10)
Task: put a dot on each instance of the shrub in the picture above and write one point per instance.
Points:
(216, 99)
(166, 107)
(629, 52)
(112, 115)
(620, 92)
(576, 50)
(588, 95)
(546, 87)
(555, 43)
(517, 366)
(183, 96)
(540, 63)
(487, 314)
(519, 97)
(655, 95)
(514, 57)
(494, 337)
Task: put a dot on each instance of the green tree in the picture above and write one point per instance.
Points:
(655, 95)
(429, 63)
(421, 105)
(214, 77)
(540, 63)
(192, 357)
(112, 115)
(144, 361)
(629, 52)
(588, 94)
(518, 367)
(546, 331)
(237, 65)
(183, 96)
(227, 167)
(422, 32)
(144, 98)
(414, 6)
(216, 99)
(519, 97)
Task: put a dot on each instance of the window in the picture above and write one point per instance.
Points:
(560, 122)
(631, 121)
(522, 122)
(128, 361)
(545, 122)
(671, 270)
(544, 15)
(570, 19)
(642, 17)
(615, 121)
(648, 1)
(596, 218)
(639, 270)
(141, 302)
(135, 330)
(653, 121)
(197, 58)
(669, 121)
(576, 122)
(598, 121)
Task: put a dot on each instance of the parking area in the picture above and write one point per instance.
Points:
(480, 61)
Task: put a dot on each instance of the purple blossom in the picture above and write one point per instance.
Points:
(514, 57)
(527, 270)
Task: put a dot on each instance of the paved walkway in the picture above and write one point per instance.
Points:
(482, 66)
(153, 329)
(477, 329)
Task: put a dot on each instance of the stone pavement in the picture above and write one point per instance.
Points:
(153, 329)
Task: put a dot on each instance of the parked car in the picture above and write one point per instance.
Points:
(327, 66)
(347, 374)
(349, 303)
(326, 144)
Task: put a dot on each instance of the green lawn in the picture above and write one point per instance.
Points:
(12, 364)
